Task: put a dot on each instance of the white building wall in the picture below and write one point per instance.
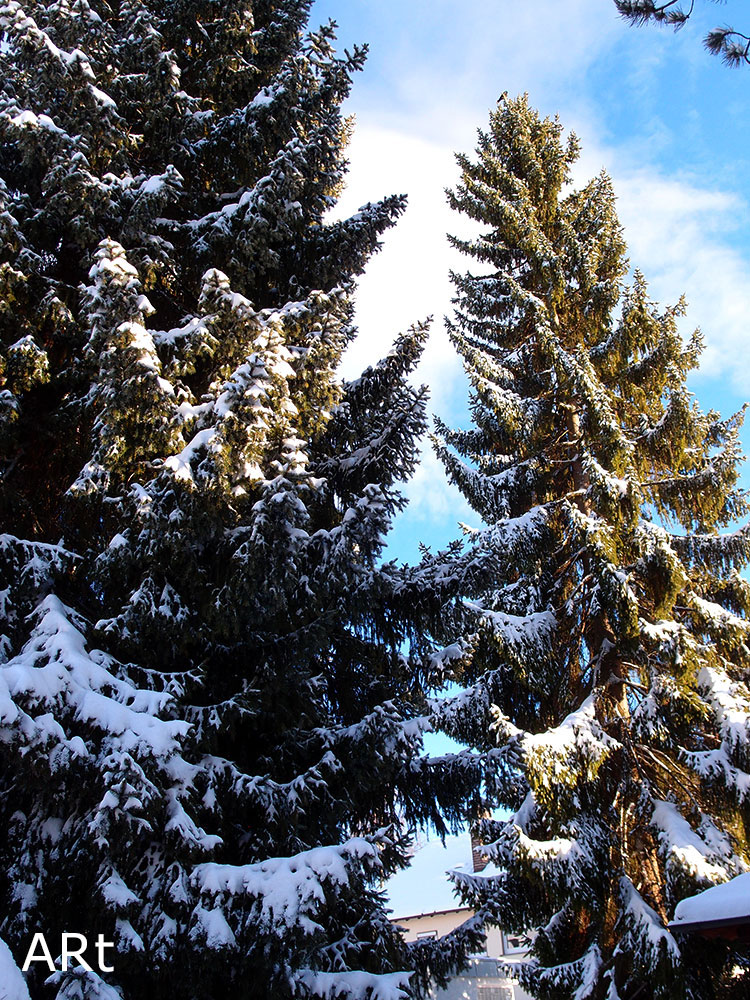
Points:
(486, 978)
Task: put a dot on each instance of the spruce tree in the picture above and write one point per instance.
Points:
(209, 743)
(605, 659)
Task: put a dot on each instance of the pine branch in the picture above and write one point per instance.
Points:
(732, 45)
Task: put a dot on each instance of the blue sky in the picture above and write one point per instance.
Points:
(667, 121)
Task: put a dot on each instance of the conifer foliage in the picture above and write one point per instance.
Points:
(609, 660)
(206, 738)
(726, 41)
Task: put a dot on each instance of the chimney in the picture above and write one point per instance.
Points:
(479, 859)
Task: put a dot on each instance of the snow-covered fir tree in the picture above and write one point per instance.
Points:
(209, 742)
(606, 663)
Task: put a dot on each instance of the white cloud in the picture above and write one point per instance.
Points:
(408, 280)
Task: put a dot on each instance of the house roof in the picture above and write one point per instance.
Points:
(720, 906)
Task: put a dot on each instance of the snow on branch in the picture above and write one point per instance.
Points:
(288, 892)
(353, 985)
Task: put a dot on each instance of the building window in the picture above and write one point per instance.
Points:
(515, 943)
(426, 935)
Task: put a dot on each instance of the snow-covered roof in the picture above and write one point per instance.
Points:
(721, 904)
(424, 887)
